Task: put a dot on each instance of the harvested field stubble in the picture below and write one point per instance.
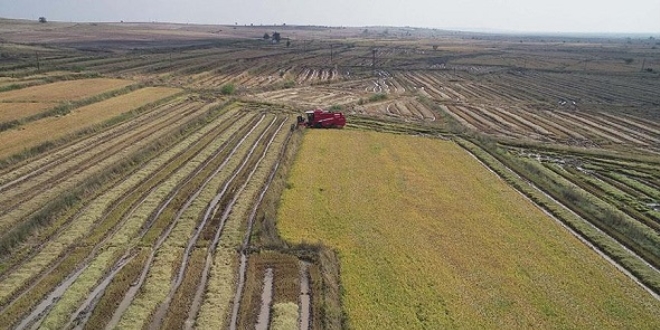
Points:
(64, 90)
(53, 128)
(430, 239)
(87, 220)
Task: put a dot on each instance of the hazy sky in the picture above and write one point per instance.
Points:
(511, 15)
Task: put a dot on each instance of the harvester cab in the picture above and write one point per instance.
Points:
(322, 119)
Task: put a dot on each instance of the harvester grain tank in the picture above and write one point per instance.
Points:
(322, 119)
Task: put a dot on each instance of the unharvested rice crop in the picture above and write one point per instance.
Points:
(428, 238)
(64, 90)
(285, 316)
(52, 128)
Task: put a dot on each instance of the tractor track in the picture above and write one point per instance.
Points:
(191, 152)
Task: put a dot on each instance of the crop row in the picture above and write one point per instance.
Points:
(26, 194)
(89, 225)
(558, 126)
(407, 109)
(121, 238)
(588, 211)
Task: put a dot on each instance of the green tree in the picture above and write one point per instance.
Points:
(228, 89)
(277, 37)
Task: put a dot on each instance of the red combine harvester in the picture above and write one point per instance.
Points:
(322, 119)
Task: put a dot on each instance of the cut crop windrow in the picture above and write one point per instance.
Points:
(36, 249)
(126, 255)
(152, 229)
(92, 157)
(20, 213)
(128, 298)
(234, 194)
(15, 174)
(168, 120)
(246, 241)
(192, 150)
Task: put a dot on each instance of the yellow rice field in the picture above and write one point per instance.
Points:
(64, 90)
(51, 128)
(429, 239)
(15, 111)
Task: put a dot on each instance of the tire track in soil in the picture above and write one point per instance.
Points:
(192, 242)
(83, 313)
(35, 250)
(570, 121)
(113, 208)
(562, 130)
(263, 318)
(133, 291)
(70, 279)
(622, 127)
(305, 321)
(458, 118)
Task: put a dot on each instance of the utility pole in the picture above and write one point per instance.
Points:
(643, 64)
(373, 59)
(38, 66)
(331, 53)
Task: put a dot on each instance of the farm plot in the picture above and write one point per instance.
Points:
(52, 128)
(14, 111)
(430, 239)
(64, 90)
(560, 126)
(406, 109)
(30, 101)
(626, 184)
(174, 219)
(28, 188)
(309, 97)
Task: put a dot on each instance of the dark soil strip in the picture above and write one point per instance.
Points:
(162, 310)
(246, 241)
(263, 319)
